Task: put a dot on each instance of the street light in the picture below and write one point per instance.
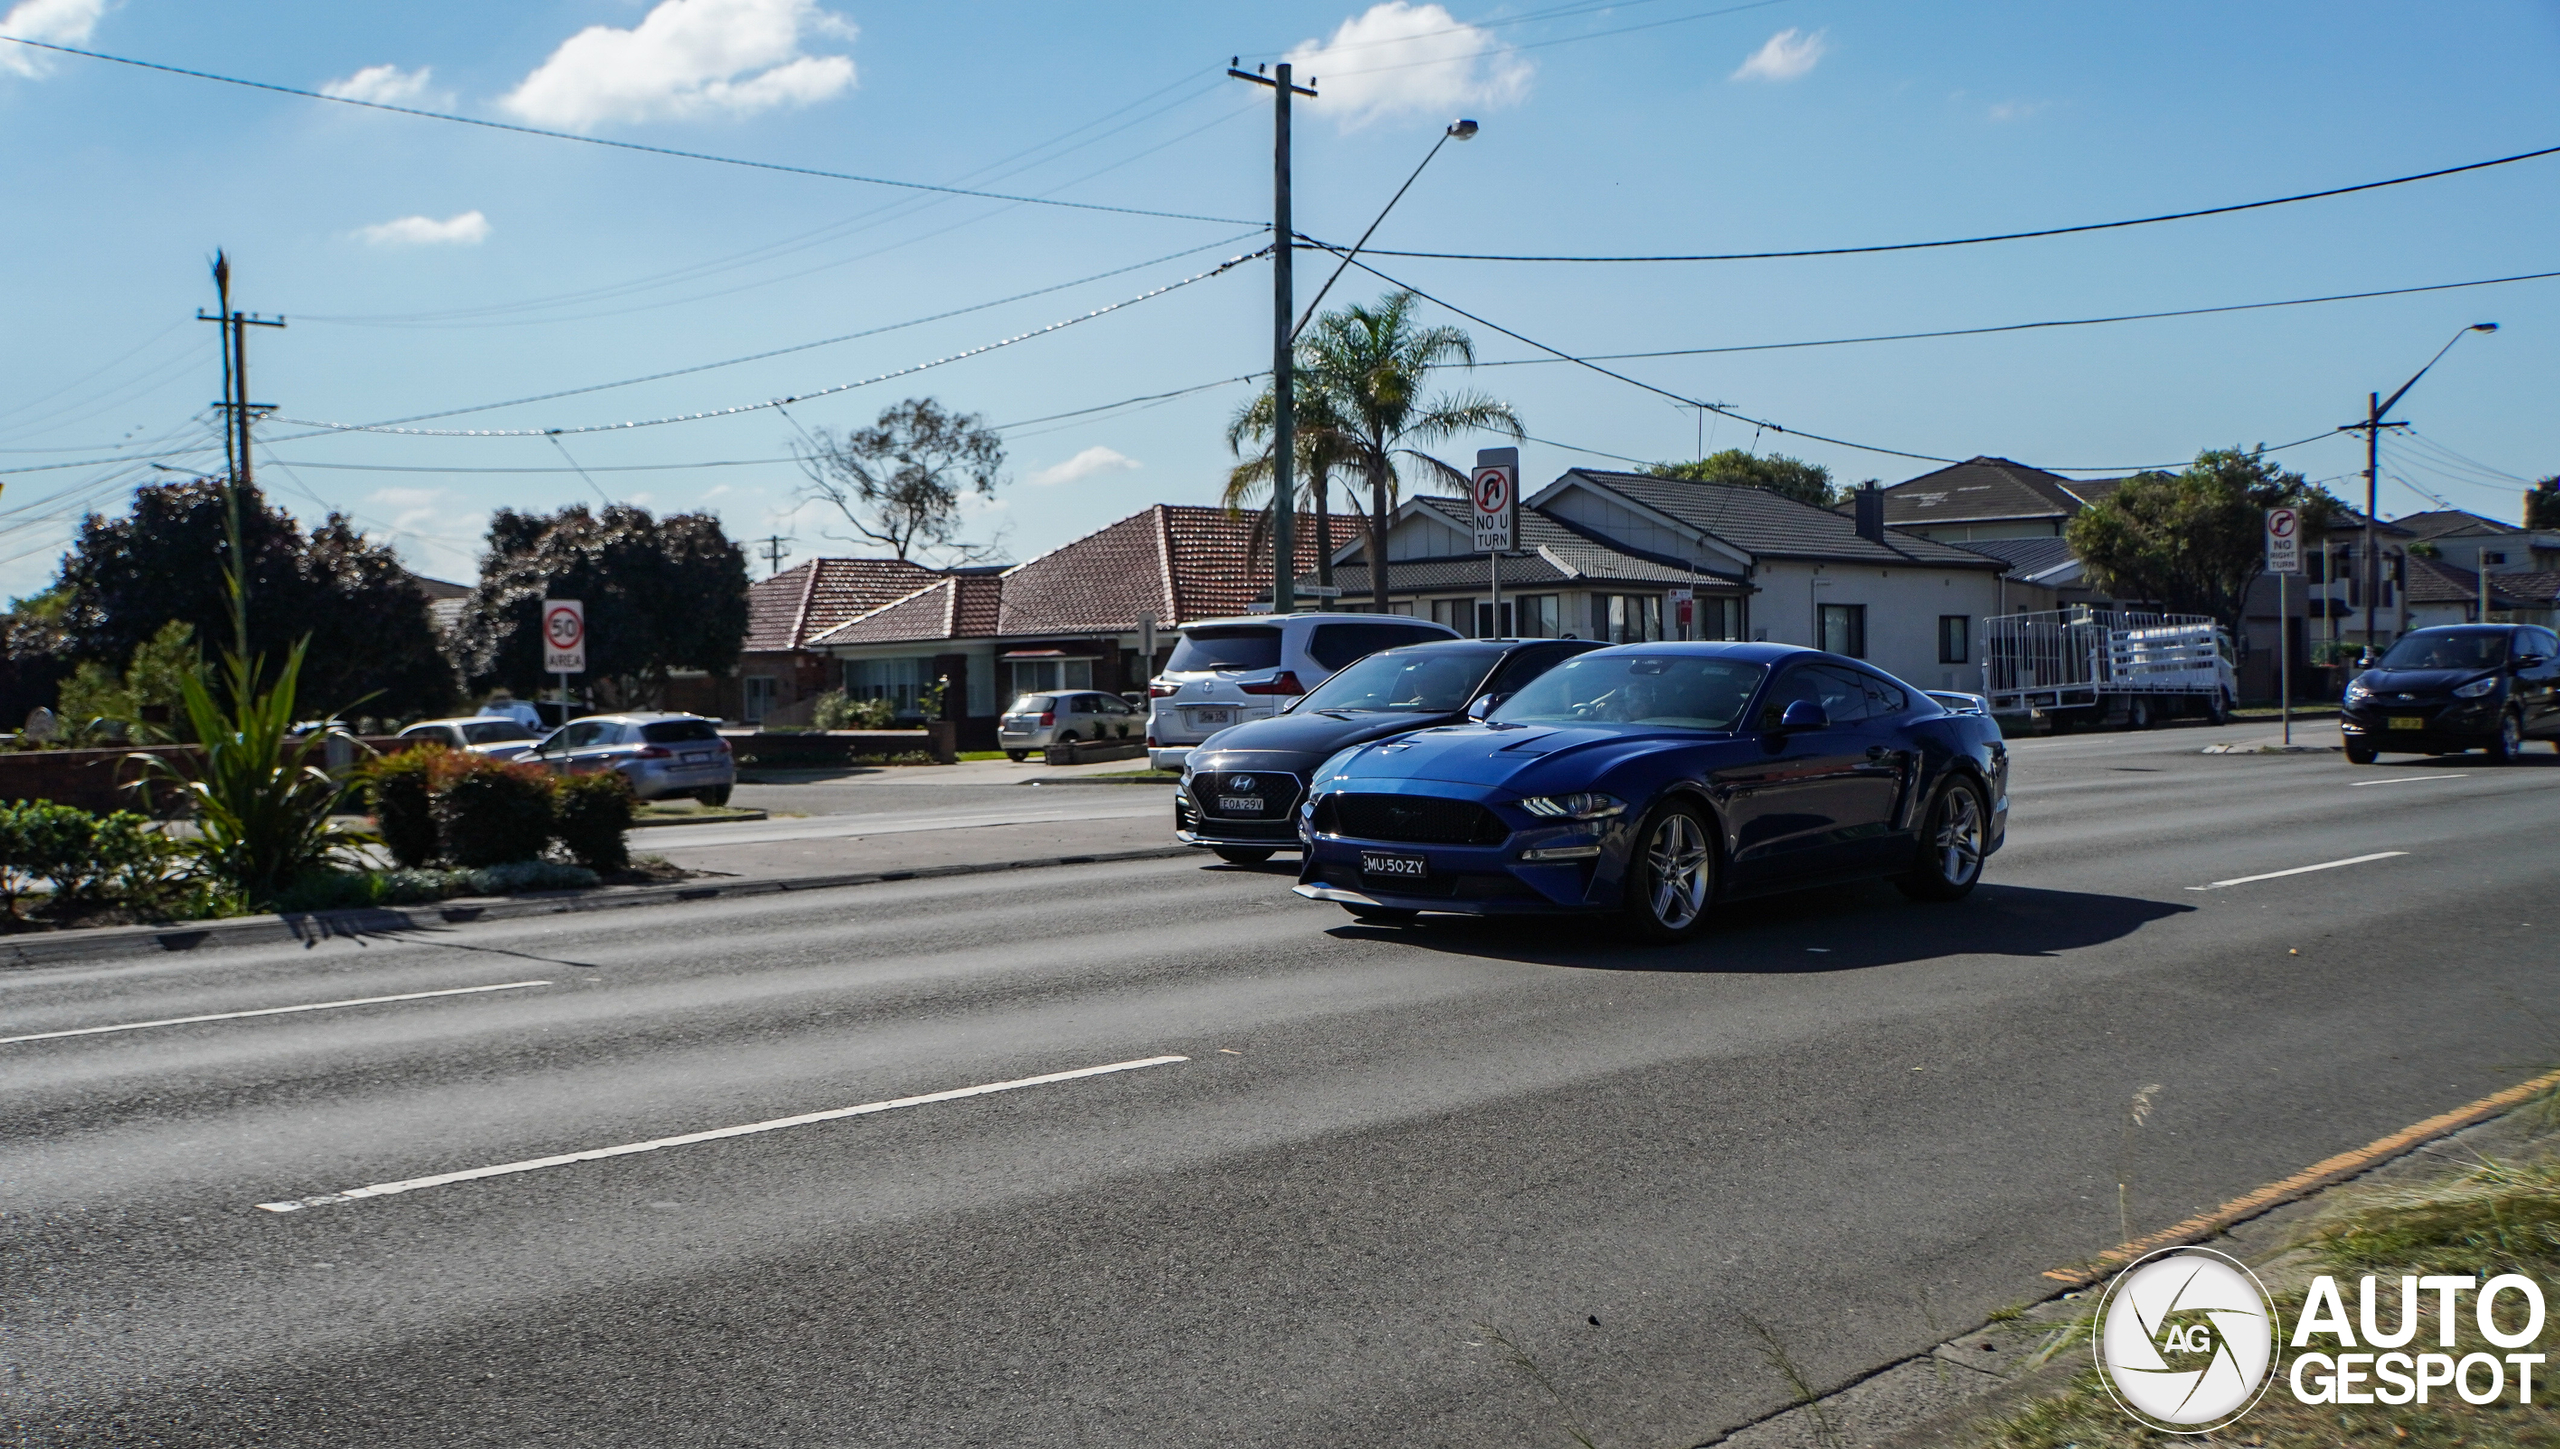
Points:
(1459, 130)
(2375, 406)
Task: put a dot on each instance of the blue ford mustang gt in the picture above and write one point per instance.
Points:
(1649, 781)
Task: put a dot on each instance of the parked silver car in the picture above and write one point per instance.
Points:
(496, 736)
(1037, 721)
(662, 755)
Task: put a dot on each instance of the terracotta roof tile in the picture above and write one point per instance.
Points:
(790, 609)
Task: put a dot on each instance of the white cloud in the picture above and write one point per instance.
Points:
(1788, 54)
(1093, 460)
(468, 229)
(386, 84)
(688, 58)
(1394, 58)
(63, 22)
(2015, 110)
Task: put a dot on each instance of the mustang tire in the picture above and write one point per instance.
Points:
(1671, 882)
(1951, 845)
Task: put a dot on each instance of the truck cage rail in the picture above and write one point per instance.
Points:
(2079, 657)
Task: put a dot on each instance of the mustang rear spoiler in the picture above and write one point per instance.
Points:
(1954, 702)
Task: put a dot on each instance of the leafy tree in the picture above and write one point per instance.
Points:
(1807, 483)
(1321, 452)
(1361, 377)
(2542, 504)
(2193, 542)
(661, 595)
(126, 579)
(151, 692)
(899, 482)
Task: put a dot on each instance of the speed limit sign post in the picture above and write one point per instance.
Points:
(564, 644)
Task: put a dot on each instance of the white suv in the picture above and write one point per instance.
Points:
(1226, 671)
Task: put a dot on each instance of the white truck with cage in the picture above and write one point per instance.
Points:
(2122, 666)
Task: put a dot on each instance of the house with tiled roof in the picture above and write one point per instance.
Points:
(1076, 617)
(2441, 592)
(1985, 498)
(1605, 555)
(779, 673)
(2476, 542)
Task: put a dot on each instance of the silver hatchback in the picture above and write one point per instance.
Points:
(1037, 721)
(662, 755)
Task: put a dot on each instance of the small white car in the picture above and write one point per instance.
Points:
(1226, 671)
(500, 737)
(1063, 716)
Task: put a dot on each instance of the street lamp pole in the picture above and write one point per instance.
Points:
(2375, 406)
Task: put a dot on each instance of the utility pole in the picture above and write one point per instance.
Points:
(773, 552)
(1284, 422)
(237, 410)
(2375, 405)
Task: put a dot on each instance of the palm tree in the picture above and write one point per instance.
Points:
(1370, 365)
(1319, 451)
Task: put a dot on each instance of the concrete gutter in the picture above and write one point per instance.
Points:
(311, 928)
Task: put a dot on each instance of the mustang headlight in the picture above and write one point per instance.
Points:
(2476, 688)
(1583, 805)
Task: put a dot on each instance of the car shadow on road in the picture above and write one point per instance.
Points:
(1842, 928)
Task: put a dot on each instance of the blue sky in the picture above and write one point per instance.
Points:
(427, 266)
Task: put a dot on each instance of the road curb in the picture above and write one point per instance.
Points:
(311, 928)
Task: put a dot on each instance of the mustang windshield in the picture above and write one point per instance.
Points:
(1674, 690)
(2486, 650)
(1438, 683)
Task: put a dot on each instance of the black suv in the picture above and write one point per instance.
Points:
(2461, 687)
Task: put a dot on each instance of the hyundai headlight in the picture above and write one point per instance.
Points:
(1583, 805)
(2476, 688)
(2359, 691)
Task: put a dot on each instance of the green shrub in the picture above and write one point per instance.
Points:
(120, 857)
(835, 711)
(487, 813)
(529, 875)
(348, 890)
(591, 813)
(397, 790)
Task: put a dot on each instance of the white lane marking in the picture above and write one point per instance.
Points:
(2299, 870)
(2410, 779)
(271, 1011)
(535, 1164)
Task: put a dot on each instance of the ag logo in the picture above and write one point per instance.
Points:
(2184, 1340)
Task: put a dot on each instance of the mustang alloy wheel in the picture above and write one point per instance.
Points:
(1951, 846)
(1672, 879)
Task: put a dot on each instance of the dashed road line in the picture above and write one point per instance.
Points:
(2410, 780)
(593, 1154)
(2299, 870)
(269, 1011)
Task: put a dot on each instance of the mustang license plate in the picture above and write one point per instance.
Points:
(1406, 867)
(2412, 723)
(1240, 804)
(1204, 718)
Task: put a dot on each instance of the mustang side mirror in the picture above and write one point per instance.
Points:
(1484, 705)
(1804, 714)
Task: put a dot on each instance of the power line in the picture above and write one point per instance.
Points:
(1544, 44)
(1148, 295)
(2030, 326)
(609, 142)
(1724, 411)
(1966, 241)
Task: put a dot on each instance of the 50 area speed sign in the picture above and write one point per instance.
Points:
(564, 636)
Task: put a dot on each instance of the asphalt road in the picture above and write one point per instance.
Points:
(1844, 1125)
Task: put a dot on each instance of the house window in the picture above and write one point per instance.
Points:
(1844, 629)
(1538, 616)
(762, 692)
(1955, 638)
(1714, 618)
(895, 680)
(1040, 676)
(1626, 618)
(2491, 560)
(1488, 627)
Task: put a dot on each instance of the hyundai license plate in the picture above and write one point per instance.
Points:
(1206, 718)
(1240, 804)
(696, 757)
(2410, 723)
(1402, 867)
